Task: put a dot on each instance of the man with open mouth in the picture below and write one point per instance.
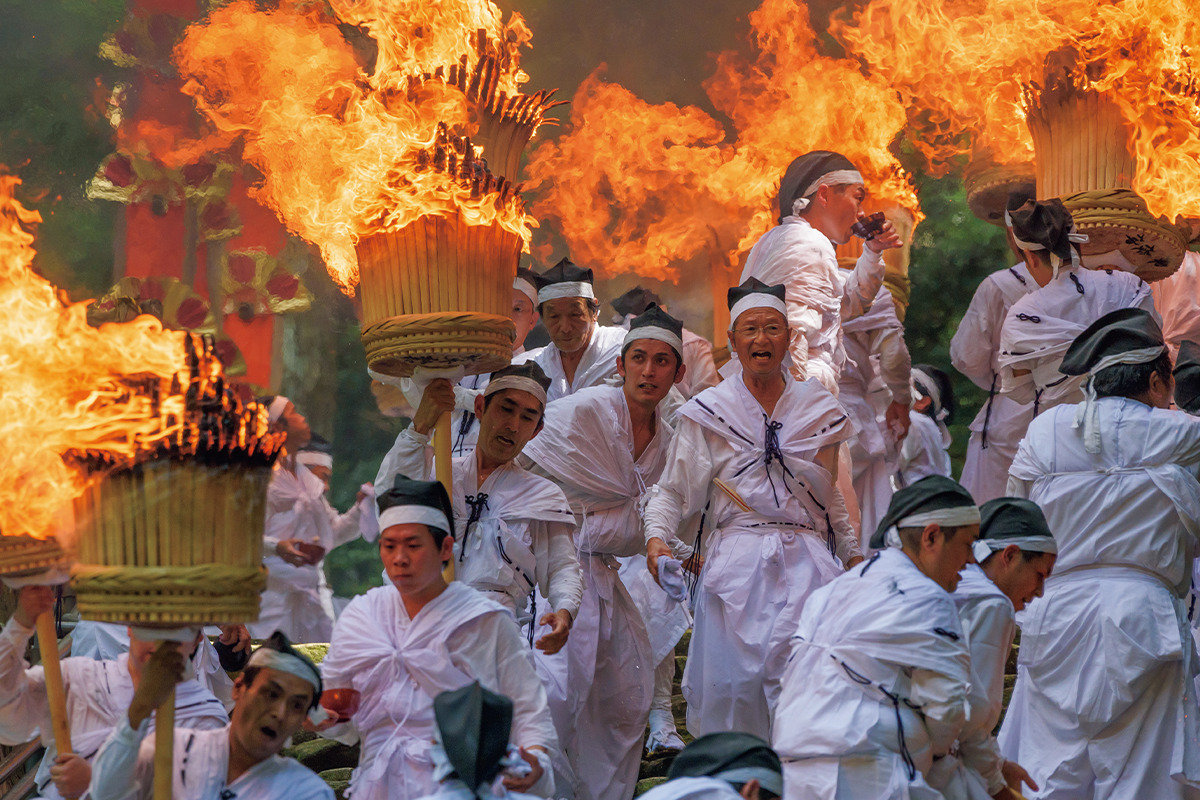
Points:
(604, 445)
(759, 451)
(272, 698)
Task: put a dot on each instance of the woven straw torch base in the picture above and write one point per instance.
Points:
(480, 342)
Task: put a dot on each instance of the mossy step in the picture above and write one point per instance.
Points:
(321, 755)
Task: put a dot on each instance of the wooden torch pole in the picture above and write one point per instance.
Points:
(164, 747)
(445, 472)
(55, 693)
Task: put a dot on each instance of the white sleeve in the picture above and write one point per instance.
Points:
(532, 724)
(862, 285)
(990, 625)
(23, 688)
(895, 363)
(683, 488)
(411, 455)
(701, 369)
(345, 526)
(943, 704)
(558, 572)
(973, 347)
(120, 770)
(846, 541)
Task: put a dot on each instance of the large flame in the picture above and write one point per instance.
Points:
(963, 67)
(344, 150)
(111, 395)
(636, 187)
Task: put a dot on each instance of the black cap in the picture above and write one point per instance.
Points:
(931, 493)
(565, 271)
(735, 757)
(1187, 377)
(635, 301)
(1116, 332)
(803, 171)
(475, 726)
(751, 286)
(407, 492)
(655, 317)
(530, 369)
(1046, 223)
(1010, 517)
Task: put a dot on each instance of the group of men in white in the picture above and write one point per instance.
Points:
(852, 607)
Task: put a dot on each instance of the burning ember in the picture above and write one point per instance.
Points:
(973, 93)
(344, 147)
(676, 183)
(110, 397)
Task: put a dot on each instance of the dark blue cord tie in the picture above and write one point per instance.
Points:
(477, 502)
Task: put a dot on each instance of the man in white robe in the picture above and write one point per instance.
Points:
(402, 644)
(876, 686)
(239, 761)
(581, 353)
(723, 766)
(516, 526)
(1105, 702)
(1177, 300)
(877, 375)
(759, 451)
(974, 351)
(296, 536)
(1014, 555)
(97, 696)
(1041, 325)
(605, 445)
(924, 451)
(820, 200)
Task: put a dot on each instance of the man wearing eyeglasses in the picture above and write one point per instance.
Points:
(759, 451)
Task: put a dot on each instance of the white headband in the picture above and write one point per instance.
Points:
(656, 333)
(275, 410)
(285, 662)
(931, 386)
(556, 291)
(835, 178)
(756, 300)
(526, 288)
(946, 517)
(1087, 413)
(314, 458)
(163, 634)
(519, 382)
(1030, 544)
(768, 779)
(1055, 261)
(422, 515)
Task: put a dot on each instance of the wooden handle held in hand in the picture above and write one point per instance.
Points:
(55, 692)
(445, 472)
(164, 748)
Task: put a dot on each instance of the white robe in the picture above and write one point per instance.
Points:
(701, 369)
(520, 537)
(602, 682)
(878, 371)
(124, 770)
(98, 696)
(818, 299)
(597, 364)
(923, 452)
(975, 351)
(989, 623)
(769, 549)
(1105, 703)
(1041, 326)
(1177, 299)
(296, 509)
(400, 664)
(876, 685)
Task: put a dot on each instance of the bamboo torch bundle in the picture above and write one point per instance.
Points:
(1085, 157)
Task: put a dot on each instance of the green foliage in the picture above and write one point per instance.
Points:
(952, 253)
(53, 133)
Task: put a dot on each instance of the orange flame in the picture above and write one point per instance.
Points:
(673, 182)
(66, 386)
(342, 149)
(963, 65)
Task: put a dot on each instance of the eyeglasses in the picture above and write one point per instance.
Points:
(752, 331)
